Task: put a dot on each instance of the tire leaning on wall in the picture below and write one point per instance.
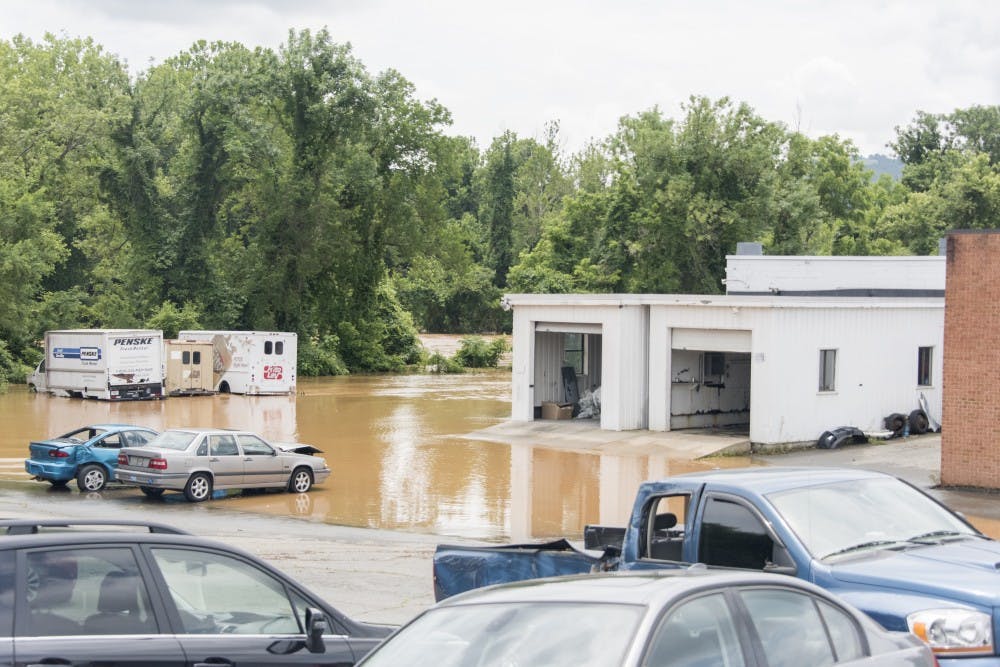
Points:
(918, 422)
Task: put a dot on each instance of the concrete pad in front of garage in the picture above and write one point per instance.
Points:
(586, 435)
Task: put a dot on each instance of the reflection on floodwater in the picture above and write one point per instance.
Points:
(397, 453)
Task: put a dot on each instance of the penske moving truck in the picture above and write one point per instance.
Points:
(107, 364)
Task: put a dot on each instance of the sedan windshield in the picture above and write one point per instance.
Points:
(854, 516)
(525, 633)
(179, 440)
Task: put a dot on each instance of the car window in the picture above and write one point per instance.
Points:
(112, 441)
(664, 534)
(252, 446)
(215, 593)
(844, 633)
(86, 592)
(137, 438)
(542, 634)
(698, 632)
(222, 445)
(6, 593)
(176, 440)
(789, 626)
(733, 536)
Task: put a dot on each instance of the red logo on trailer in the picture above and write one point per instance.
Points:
(273, 372)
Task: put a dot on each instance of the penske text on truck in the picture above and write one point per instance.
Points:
(107, 364)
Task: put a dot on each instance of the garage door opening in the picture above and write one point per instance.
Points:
(710, 380)
(567, 371)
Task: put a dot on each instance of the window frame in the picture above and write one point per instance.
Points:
(581, 367)
(706, 502)
(737, 615)
(827, 370)
(925, 366)
(753, 634)
(148, 590)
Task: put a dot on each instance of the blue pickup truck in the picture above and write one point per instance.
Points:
(879, 543)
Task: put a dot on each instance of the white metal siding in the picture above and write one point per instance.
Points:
(719, 340)
(762, 274)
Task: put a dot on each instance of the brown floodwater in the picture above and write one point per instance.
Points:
(396, 447)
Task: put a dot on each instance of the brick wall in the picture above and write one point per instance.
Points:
(970, 418)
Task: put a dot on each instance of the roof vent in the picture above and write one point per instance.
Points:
(748, 248)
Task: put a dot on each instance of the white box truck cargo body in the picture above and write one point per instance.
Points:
(108, 364)
(251, 362)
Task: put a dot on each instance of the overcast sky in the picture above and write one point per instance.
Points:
(856, 68)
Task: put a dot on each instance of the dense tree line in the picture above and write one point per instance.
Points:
(294, 190)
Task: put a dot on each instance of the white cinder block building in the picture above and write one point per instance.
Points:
(786, 368)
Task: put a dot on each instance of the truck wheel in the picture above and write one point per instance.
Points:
(198, 487)
(91, 477)
(151, 491)
(301, 481)
(918, 422)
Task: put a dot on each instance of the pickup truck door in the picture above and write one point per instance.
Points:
(730, 531)
(658, 533)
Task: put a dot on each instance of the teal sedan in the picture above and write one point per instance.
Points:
(89, 454)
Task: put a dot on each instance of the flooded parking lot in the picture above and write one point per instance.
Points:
(399, 456)
(396, 449)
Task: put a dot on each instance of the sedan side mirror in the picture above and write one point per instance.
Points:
(316, 625)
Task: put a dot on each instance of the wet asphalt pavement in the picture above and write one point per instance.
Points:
(378, 576)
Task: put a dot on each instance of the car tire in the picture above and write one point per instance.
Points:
(91, 477)
(198, 487)
(300, 481)
(151, 491)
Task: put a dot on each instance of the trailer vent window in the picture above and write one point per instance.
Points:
(924, 357)
(185, 357)
(827, 370)
(196, 355)
(268, 347)
(279, 347)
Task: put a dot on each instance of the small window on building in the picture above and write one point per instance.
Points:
(185, 357)
(573, 352)
(925, 356)
(268, 347)
(827, 370)
(279, 347)
(714, 365)
(196, 356)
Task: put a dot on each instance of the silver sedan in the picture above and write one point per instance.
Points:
(200, 461)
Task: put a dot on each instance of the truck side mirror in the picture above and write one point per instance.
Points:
(316, 625)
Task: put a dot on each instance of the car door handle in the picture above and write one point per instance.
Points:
(214, 459)
(214, 662)
(249, 458)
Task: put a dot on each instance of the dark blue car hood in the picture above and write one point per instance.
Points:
(966, 571)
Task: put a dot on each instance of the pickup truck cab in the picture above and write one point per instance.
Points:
(877, 542)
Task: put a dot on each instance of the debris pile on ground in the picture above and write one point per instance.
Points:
(590, 404)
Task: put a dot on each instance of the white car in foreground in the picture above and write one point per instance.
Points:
(200, 461)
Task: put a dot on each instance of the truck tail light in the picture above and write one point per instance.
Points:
(58, 454)
(122, 459)
(158, 464)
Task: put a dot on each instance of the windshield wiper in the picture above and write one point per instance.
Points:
(929, 537)
(866, 545)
